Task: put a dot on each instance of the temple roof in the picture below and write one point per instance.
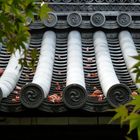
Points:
(75, 69)
(84, 60)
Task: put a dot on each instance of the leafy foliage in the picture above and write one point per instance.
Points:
(121, 113)
(14, 17)
(130, 112)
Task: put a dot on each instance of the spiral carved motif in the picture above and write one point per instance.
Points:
(118, 94)
(51, 21)
(124, 19)
(97, 19)
(74, 19)
(74, 96)
(32, 95)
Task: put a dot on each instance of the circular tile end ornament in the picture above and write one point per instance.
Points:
(51, 21)
(74, 96)
(118, 94)
(124, 19)
(97, 19)
(74, 19)
(31, 95)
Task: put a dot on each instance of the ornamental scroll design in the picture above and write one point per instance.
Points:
(74, 96)
(51, 21)
(74, 19)
(31, 95)
(64, 16)
(97, 19)
(94, 7)
(124, 19)
(118, 94)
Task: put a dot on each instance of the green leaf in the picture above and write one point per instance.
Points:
(10, 2)
(128, 138)
(14, 31)
(134, 122)
(34, 53)
(137, 57)
(138, 80)
(138, 90)
(44, 11)
(138, 131)
(121, 113)
(132, 116)
(136, 101)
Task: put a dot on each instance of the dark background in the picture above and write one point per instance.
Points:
(69, 125)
